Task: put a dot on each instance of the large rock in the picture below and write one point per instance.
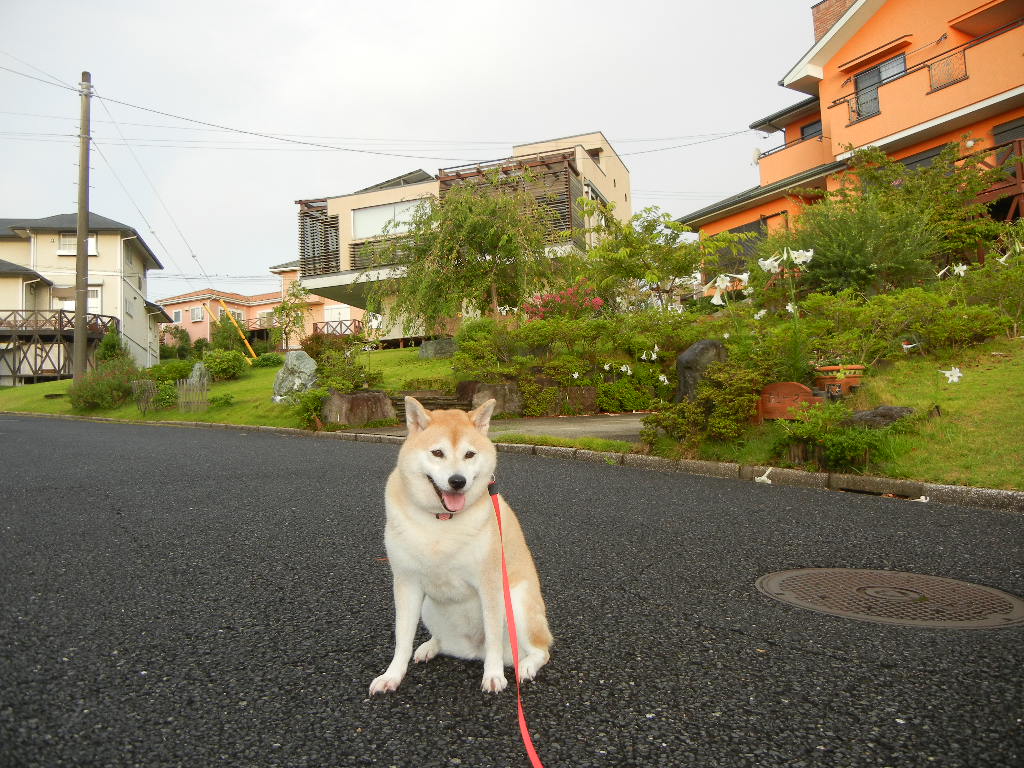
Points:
(506, 393)
(357, 408)
(437, 348)
(297, 375)
(880, 417)
(691, 363)
(200, 375)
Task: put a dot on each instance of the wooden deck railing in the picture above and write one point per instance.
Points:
(35, 320)
(339, 327)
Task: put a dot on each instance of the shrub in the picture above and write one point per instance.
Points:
(166, 394)
(537, 399)
(310, 405)
(172, 370)
(225, 364)
(111, 348)
(343, 372)
(268, 360)
(625, 394)
(723, 404)
(106, 386)
(824, 427)
(476, 357)
(222, 400)
(316, 345)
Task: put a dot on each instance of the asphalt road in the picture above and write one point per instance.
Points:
(200, 597)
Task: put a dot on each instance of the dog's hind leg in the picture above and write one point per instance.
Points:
(532, 633)
(427, 650)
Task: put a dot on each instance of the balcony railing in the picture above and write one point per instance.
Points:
(944, 69)
(339, 327)
(52, 320)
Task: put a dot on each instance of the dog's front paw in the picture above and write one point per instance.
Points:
(493, 682)
(385, 683)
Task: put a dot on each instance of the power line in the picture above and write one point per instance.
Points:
(356, 150)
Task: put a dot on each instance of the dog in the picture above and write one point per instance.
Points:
(442, 541)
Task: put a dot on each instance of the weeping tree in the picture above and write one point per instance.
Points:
(651, 259)
(479, 247)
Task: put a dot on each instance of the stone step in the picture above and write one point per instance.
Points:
(432, 400)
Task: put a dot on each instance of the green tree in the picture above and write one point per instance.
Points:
(182, 341)
(290, 315)
(478, 247)
(224, 335)
(650, 257)
(888, 226)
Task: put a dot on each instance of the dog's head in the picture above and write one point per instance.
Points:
(448, 451)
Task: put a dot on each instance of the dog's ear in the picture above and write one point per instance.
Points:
(481, 416)
(417, 417)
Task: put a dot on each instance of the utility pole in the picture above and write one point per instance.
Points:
(80, 349)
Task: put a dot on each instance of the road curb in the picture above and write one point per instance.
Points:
(888, 487)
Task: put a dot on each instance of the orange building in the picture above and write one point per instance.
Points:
(192, 310)
(906, 76)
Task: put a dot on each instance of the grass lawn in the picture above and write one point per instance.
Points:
(977, 440)
(401, 366)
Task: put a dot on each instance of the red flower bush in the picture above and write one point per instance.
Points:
(578, 301)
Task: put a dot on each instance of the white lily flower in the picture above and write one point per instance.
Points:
(607, 366)
(1002, 259)
(654, 353)
(953, 375)
(722, 282)
(742, 277)
(643, 356)
(626, 370)
(656, 350)
(575, 375)
(764, 478)
(663, 379)
(942, 271)
(960, 269)
(791, 308)
(717, 300)
(759, 315)
(725, 335)
(801, 257)
(774, 264)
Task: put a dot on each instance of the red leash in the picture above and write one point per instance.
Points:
(512, 636)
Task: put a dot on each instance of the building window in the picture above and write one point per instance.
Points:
(810, 130)
(371, 222)
(176, 315)
(197, 314)
(867, 83)
(93, 303)
(67, 244)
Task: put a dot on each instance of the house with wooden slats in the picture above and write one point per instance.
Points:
(336, 233)
(906, 76)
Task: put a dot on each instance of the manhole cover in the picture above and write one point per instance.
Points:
(892, 597)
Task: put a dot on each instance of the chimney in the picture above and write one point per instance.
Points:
(826, 13)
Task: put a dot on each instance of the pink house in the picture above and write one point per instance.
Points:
(193, 311)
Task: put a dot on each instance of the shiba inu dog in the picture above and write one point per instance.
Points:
(443, 547)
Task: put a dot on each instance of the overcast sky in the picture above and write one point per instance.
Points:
(390, 87)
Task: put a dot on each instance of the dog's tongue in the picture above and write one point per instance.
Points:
(453, 502)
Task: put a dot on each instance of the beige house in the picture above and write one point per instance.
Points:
(335, 231)
(37, 294)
